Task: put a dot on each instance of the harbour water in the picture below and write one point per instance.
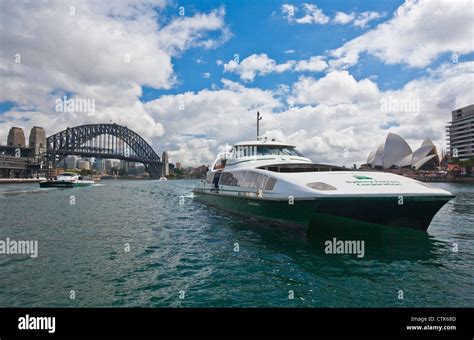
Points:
(150, 244)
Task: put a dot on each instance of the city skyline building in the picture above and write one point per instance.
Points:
(460, 133)
(70, 162)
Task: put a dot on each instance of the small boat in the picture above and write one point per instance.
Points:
(162, 178)
(66, 180)
(274, 181)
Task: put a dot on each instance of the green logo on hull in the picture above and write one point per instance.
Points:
(362, 177)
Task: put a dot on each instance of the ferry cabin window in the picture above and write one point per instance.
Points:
(239, 176)
(247, 179)
(270, 183)
(265, 150)
(253, 179)
(258, 182)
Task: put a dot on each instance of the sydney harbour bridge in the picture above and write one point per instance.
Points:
(110, 141)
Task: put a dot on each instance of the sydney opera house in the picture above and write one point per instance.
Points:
(395, 153)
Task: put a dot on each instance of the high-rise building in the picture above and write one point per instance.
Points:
(124, 165)
(70, 162)
(178, 165)
(16, 137)
(83, 164)
(111, 165)
(99, 164)
(38, 140)
(460, 133)
(165, 160)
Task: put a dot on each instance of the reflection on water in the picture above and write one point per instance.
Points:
(383, 244)
(219, 259)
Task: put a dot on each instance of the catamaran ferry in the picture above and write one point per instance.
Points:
(66, 180)
(272, 180)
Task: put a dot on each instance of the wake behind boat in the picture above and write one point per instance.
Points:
(274, 181)
(66, 180)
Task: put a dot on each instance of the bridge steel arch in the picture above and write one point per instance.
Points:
(77, 141)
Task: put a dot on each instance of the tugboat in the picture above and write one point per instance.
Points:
(66, 180)
(274, 181)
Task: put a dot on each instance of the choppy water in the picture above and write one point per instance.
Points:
(190, 248)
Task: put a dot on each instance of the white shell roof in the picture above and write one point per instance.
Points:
(396, 148)
(396, 152)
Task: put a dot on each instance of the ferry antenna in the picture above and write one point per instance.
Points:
(259, 118)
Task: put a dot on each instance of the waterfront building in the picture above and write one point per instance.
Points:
(37, 140)
(83, 164)
(16, 137)
(112, 165)
(460, 133)
(108, 164)
(124, 166)
(99, 164)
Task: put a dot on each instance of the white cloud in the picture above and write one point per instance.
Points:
(256, 64)
(358, 20)
(312, 14)
(206, 75)
(365, 17)
(337, 87)
(224, 115)
(346, 113)
(418, 33)
(314, 64)
(343, 18)
(187, 32)
(261, 64)
(288, 11)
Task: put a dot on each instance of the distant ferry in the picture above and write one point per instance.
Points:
(274, 181)
(66, 180)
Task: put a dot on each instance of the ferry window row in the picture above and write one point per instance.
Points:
(278, 150)
(266, 150)
(247, 179)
